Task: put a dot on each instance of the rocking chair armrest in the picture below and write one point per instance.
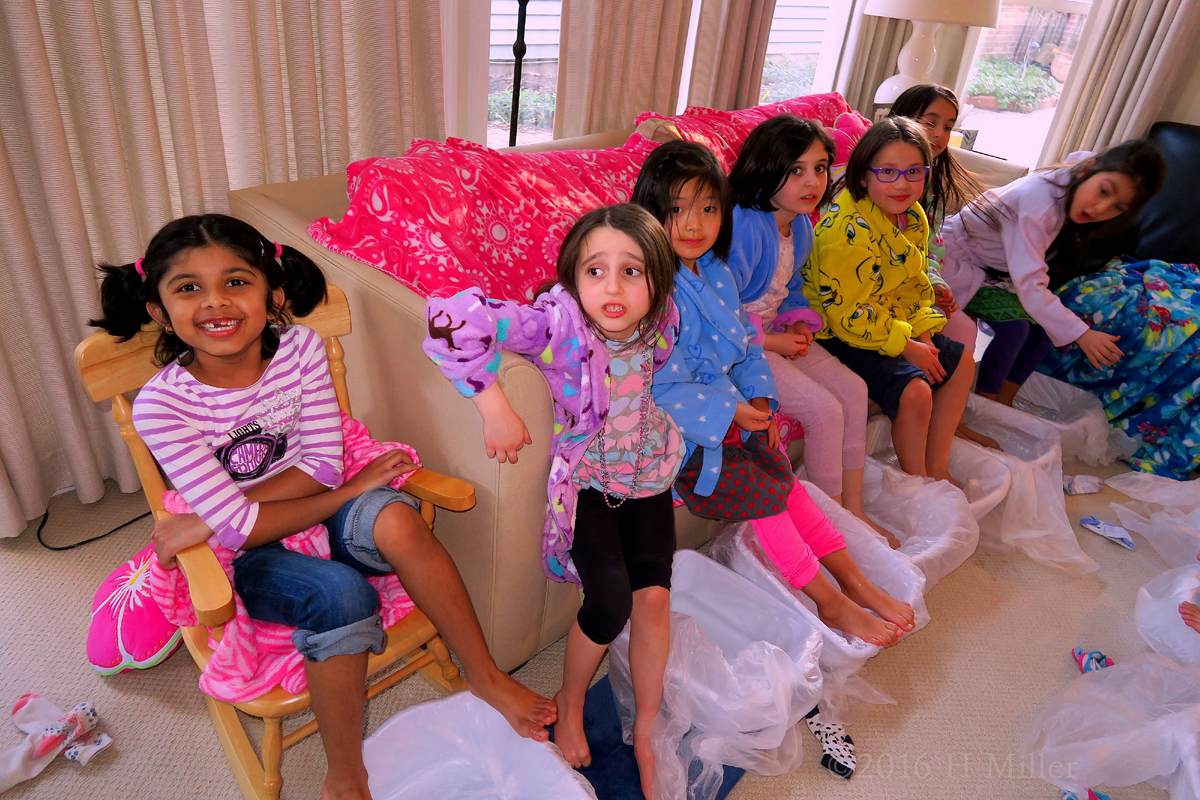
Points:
(212, 596)
(443, 491)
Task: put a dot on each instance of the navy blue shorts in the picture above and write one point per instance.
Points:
(888, 376)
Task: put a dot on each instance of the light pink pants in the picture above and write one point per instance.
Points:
(830, 403)
(794, 541)
(961, 328)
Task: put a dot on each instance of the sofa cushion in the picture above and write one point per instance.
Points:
(1166, 228)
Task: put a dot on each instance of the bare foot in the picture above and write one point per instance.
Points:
(527, 711)
(568, 732)
(346, 790)
(644, 754)
(892, 541)
(963, 432)
(945, 476)
(847, 616)
(1191, 615)
(868, 595)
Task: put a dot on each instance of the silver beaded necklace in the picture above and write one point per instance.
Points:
(643, 429)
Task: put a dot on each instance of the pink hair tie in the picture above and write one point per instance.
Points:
(278, 249)
(137, 265)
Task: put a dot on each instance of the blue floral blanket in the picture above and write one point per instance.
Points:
(1153, 393)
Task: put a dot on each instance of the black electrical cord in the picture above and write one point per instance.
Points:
(46, 518)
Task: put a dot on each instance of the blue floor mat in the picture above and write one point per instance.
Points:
(613, 773)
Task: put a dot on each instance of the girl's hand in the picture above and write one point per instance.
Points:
(1099, 348)
(749, 418)
(175, 533)
(788, 345)
(944, 298)
(800, 328)
(924, 357)
(763, 406)
(504, 432)
(381, 472)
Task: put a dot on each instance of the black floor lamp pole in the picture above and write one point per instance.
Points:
(518, 54)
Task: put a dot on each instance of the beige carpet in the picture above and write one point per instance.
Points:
(968, 686)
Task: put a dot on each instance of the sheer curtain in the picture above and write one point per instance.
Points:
(731, 46)
(618, 58)
(120, 115)
(1123, 73)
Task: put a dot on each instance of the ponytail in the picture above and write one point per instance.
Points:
(126, 290)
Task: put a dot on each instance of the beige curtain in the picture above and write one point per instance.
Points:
(1124, 73)
(872, 47)
(731, 46)
(618, 58)
(119, 115)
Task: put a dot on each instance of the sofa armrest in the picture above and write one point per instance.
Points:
(989, 170)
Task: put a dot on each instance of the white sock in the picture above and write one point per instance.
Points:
(44, 723)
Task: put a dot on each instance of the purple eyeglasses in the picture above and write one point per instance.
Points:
(891, 174)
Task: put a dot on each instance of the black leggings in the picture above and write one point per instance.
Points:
(616, 552)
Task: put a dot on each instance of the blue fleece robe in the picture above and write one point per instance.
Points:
(715, 364)
(754, 258)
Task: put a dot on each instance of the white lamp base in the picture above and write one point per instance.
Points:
(915, 62)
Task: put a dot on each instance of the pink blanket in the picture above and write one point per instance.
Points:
(448, 216)
(253, 656)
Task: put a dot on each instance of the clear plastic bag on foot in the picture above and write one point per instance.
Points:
(460, 748)
(1132, 722)
(741, 675)
(1077, 415)
(1157, 615)
(842, 656)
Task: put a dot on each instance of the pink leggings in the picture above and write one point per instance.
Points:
(796, 540)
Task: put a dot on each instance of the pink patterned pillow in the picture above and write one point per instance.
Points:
(448, 216)
(128, 630)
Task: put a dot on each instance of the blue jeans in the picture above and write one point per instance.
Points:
(330, 603)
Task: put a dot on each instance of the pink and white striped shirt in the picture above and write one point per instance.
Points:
(213, 443)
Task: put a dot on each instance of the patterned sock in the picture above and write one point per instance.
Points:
(836, 745)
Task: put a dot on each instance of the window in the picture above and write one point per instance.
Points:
(539, 71)
(1017, 74)
(803, 48)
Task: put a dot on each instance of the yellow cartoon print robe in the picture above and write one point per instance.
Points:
(868, 279)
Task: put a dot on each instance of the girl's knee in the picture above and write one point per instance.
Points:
(399, 526)
(341, 597)
(917, 398)
(653, 599)
(603, 618)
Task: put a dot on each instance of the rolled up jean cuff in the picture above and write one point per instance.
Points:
(357, 637)
(358, 528)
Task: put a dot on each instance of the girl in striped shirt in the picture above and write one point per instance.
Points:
(244, 421)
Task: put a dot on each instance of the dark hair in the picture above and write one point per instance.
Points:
(1138, 159)
(672, 165)
(877, 137)
(124, 293)
(952, 186)
(658, 259)
(767, 157)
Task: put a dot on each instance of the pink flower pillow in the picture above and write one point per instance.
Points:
(128, 630)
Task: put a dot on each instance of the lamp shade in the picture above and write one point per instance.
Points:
(982, 13)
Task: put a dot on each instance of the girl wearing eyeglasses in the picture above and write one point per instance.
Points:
(867, 276)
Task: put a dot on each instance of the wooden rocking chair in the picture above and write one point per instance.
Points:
(110, 369)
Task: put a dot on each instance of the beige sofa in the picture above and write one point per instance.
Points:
(400, 395)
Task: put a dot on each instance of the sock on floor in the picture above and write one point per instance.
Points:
(837, 748)
(50, 732)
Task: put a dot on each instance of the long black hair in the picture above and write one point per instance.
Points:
(668, 169)
(124, 292)
(951, 185)
(1137, 159)
(767, 157)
